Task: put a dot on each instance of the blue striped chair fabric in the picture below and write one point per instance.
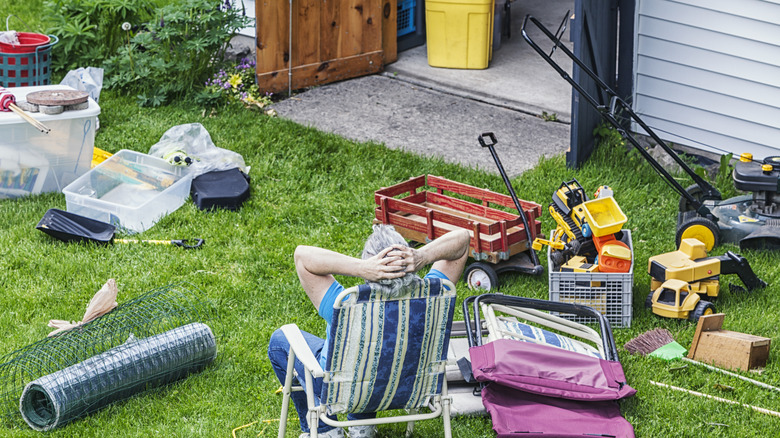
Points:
(385, 353)
(529, 333)
(388, 352)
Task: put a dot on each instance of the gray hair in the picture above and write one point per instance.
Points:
(383, 237)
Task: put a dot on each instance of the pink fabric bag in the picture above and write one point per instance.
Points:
(542, 391)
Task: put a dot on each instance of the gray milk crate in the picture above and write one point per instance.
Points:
(609, 293)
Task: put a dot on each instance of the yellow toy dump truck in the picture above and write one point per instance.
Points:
(679, 280)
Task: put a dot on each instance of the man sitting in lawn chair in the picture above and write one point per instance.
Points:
(388, 263)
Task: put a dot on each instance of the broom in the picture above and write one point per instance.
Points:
(656, 343)
(660, 343)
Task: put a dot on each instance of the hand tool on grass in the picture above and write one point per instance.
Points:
(8, 103)
(69, 227)
(184, 243)
(660, 343)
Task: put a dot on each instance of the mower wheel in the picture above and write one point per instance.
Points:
(696, 192)
(700, 228)
(481, 276)
(702, 308)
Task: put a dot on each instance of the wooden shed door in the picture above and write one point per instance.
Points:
(331, 40)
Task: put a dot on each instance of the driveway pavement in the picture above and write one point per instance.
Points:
(441, 112)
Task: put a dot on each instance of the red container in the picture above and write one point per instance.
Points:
(28, 42)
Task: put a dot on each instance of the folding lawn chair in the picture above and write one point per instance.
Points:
(385, 353)
(561, 380)
(508, 317)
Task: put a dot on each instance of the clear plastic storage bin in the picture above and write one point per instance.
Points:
(32, 162)
(129, 190)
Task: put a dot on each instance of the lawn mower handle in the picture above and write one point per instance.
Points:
(616, 104)
(528, 231)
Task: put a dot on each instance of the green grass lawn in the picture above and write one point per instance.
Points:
(317, 189)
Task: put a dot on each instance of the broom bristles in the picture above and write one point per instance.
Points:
(648, 342)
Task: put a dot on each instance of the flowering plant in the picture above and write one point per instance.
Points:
(236, 84)
(171, 55)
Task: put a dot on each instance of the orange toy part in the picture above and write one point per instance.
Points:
(614, 255)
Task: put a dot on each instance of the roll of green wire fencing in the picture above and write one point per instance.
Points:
(58, 398)
(150, 314)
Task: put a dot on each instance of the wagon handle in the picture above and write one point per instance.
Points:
(490, 136)
(528, 232)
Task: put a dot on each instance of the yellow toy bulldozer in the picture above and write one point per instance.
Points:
(587, 228)
(680, 279)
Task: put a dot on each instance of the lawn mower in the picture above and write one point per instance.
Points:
(680, 279)
(752, 220)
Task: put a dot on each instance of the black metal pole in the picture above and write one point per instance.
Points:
(618, 104)
(529, 233)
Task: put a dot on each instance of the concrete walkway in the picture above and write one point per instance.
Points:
(441, 112)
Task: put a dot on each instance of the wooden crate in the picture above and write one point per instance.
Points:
(727, 349)
(331, 41)
(422, 215)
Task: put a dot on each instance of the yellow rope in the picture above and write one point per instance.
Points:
(267, 422)
(241, 427)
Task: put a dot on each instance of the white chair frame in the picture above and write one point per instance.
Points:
(439, 404)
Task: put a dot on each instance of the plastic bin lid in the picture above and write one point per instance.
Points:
(10, 118)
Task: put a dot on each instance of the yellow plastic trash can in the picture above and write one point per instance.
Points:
(459, 33)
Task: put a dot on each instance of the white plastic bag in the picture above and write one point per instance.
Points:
(194, 142)
(9, 37)
(89, 79)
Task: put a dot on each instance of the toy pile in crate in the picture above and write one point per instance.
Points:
(590, 256)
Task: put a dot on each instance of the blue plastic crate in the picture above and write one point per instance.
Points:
(405, 17)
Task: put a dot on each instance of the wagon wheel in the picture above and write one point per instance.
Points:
(481, 276)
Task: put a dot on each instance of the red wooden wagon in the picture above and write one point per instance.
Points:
(499, 241)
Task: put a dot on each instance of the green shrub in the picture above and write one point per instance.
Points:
(90, 31)
(175, 52)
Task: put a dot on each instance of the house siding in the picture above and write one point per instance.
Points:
(707, 73)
